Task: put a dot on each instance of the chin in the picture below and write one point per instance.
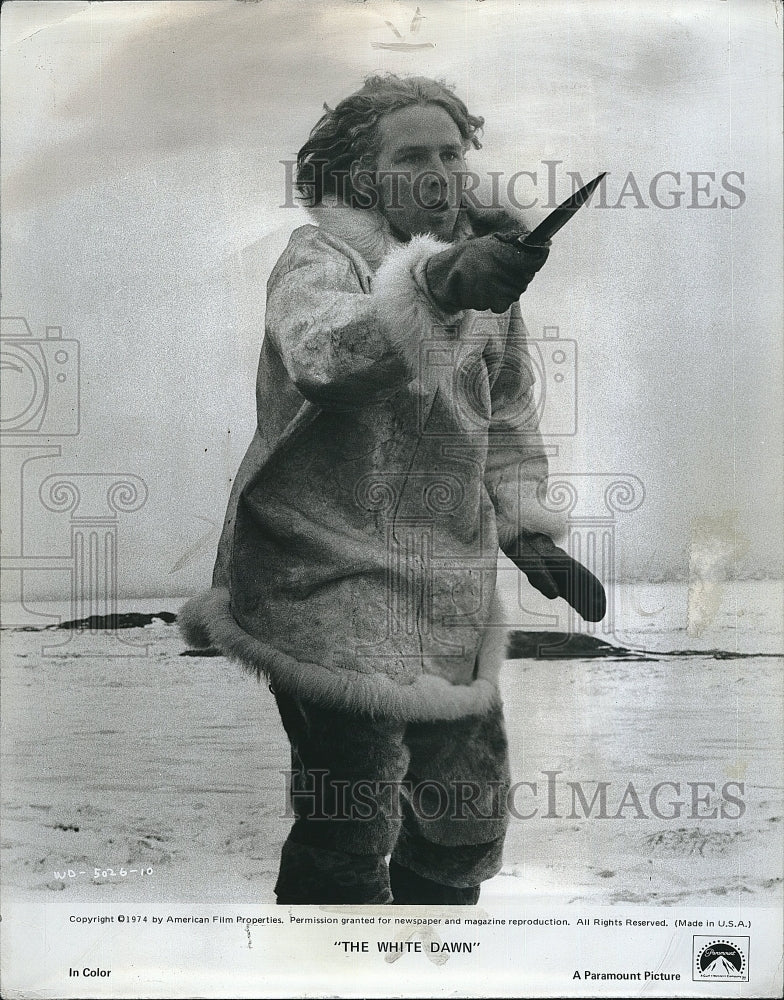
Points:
(442, 228)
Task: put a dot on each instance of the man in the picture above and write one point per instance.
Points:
(397, 445)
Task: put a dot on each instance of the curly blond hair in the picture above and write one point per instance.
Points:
(349, 131)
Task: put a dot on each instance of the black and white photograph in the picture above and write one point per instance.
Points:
(392, 442)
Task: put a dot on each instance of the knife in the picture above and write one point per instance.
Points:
(561, 215)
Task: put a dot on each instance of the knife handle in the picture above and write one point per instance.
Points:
(525, 241)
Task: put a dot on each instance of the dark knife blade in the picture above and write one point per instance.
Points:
(561, 215)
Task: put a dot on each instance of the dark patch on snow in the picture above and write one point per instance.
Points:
(131, 619)
(692, 840)
(520, 645)
(100, 623)
(720, 654)
(566, 646)
(576, 646)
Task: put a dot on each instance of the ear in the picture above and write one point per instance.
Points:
(363, 171)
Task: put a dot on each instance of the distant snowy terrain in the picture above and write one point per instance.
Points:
(170, 768)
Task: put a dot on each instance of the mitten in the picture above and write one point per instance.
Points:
(555, 574)
(490, 272)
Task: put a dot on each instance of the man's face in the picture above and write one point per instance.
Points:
(420, 168)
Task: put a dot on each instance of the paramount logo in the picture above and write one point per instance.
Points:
(723, 959)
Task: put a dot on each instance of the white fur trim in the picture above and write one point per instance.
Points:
(364, 230)
(546, 523)
(536, 518)
(208, 616)
(529, 515)
(405, 309)
(492, 652)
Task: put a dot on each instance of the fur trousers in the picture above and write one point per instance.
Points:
(430, 794)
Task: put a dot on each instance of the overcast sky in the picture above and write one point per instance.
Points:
(141, 191)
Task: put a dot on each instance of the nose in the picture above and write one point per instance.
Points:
(433, 182)
(437, 174)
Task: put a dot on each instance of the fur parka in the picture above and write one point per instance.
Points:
(396, 448)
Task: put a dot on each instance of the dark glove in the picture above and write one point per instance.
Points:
(490, 272)
(556, 574)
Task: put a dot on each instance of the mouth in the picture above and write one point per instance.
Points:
(435, 202)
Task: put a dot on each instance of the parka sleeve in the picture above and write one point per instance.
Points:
(516, 468)
(345, 346)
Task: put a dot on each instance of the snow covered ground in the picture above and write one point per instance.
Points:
(169, 768)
